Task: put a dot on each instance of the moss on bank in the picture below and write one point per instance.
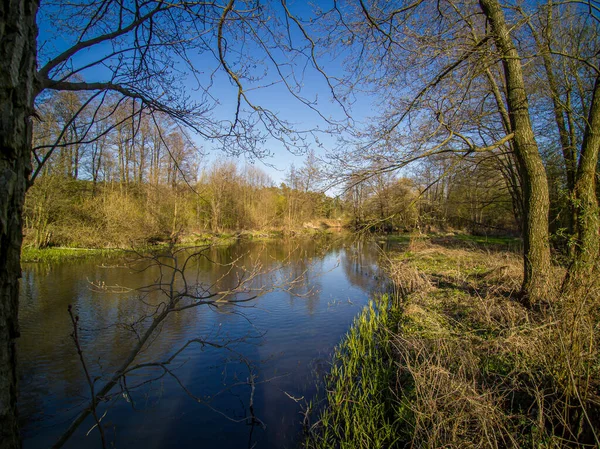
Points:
(494, 243)
(50, 255)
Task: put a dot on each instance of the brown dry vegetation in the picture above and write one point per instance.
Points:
(77, 213)
(474, 368)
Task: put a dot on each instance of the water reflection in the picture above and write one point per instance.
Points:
(274, 344)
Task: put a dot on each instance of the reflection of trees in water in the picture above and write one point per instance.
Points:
(300, 264)
(103, 315)
(46, 294)
(304, 273)
(48, 291)
(360, 264)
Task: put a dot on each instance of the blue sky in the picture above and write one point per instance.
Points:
(276, 98)
(273, 97)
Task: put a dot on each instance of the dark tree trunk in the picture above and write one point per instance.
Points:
(585, 201)
(18, 34)
(533, 173)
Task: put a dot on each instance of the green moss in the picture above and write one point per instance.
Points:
(497, 365)
(399, 238)
(501, 242)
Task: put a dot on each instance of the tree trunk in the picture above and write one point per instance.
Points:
(535, 184)
(584, 198)
(18, 33)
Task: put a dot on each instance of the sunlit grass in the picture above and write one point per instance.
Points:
(462, 363)
(58, 254)
(362, 411)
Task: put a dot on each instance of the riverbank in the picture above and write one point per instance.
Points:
(30, 254)
(459, 362)
(58, 254)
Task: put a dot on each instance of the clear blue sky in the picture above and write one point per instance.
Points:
(268, 93)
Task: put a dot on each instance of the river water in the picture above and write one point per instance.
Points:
(277, 346)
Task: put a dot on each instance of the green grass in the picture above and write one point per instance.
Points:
(59, 254)
(361, 411)
(468, 241)
(490, 241)
(397, 238)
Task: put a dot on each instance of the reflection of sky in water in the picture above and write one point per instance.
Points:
(289, 337)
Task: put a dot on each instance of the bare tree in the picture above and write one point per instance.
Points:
(533, 174)
(147, 52)
(452, 82)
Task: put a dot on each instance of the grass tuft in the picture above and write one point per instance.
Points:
(361, 411)
(59, 254)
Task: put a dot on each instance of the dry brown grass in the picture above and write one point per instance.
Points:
(450, 408)
(407, 279)
(477, 369)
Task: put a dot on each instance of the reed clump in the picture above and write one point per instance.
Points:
(361, 405)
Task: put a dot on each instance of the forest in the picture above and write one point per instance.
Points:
(146, 183)
(461, 138)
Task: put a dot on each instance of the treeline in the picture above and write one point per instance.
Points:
(141, 178)
(224, 197)
(481, 195)
(110, 140)
(440, 195)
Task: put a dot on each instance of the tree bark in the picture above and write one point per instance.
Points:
(535, 183)
(584, 199)
(18, 34)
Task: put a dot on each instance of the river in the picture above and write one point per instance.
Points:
(278, 346)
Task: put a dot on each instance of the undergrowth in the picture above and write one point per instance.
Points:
(462, 363)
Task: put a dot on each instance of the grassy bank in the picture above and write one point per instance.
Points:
(55, 254)
(462, 363)
(462, 240)
(50, 255)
